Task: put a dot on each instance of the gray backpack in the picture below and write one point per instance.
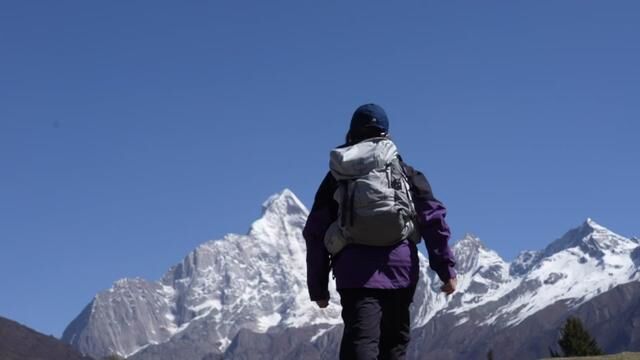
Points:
(375, 204)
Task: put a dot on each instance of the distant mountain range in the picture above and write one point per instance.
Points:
(245, 297)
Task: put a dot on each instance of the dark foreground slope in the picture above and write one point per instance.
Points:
(18, 342)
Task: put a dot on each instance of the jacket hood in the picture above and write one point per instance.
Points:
(361, 158)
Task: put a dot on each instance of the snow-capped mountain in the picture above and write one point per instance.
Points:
(255, 281)
(583, 263)
(227, 292)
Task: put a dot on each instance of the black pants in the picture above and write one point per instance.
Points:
(376, 323)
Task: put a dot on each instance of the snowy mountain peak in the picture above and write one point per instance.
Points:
(591, 238)
(592, 224)
(469, 246)
(284, 202)
(283, 214)
(126, 282)
(471, 254)
(255, 282)
(470, 241)
(598, 230)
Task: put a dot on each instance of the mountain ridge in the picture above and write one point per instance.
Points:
(257, 282)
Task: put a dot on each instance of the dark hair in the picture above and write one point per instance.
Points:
(355, 136)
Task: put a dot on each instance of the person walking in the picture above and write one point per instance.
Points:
(368, 215)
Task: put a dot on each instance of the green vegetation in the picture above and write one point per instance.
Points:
(490, 354)
(576, 340)
(113, 357)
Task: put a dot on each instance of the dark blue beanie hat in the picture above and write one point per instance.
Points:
(368, 116)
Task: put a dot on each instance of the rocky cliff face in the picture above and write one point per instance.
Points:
(244, 296)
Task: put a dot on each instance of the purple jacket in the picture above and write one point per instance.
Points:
(361, 266)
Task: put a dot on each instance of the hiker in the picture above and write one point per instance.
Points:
(367, 217)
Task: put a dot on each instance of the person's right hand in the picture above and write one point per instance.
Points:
(450, 286)
(322, 303)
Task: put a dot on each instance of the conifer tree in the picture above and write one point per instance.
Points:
(575, 340)
(113, 357)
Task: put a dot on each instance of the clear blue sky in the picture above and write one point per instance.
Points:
(132, 131)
